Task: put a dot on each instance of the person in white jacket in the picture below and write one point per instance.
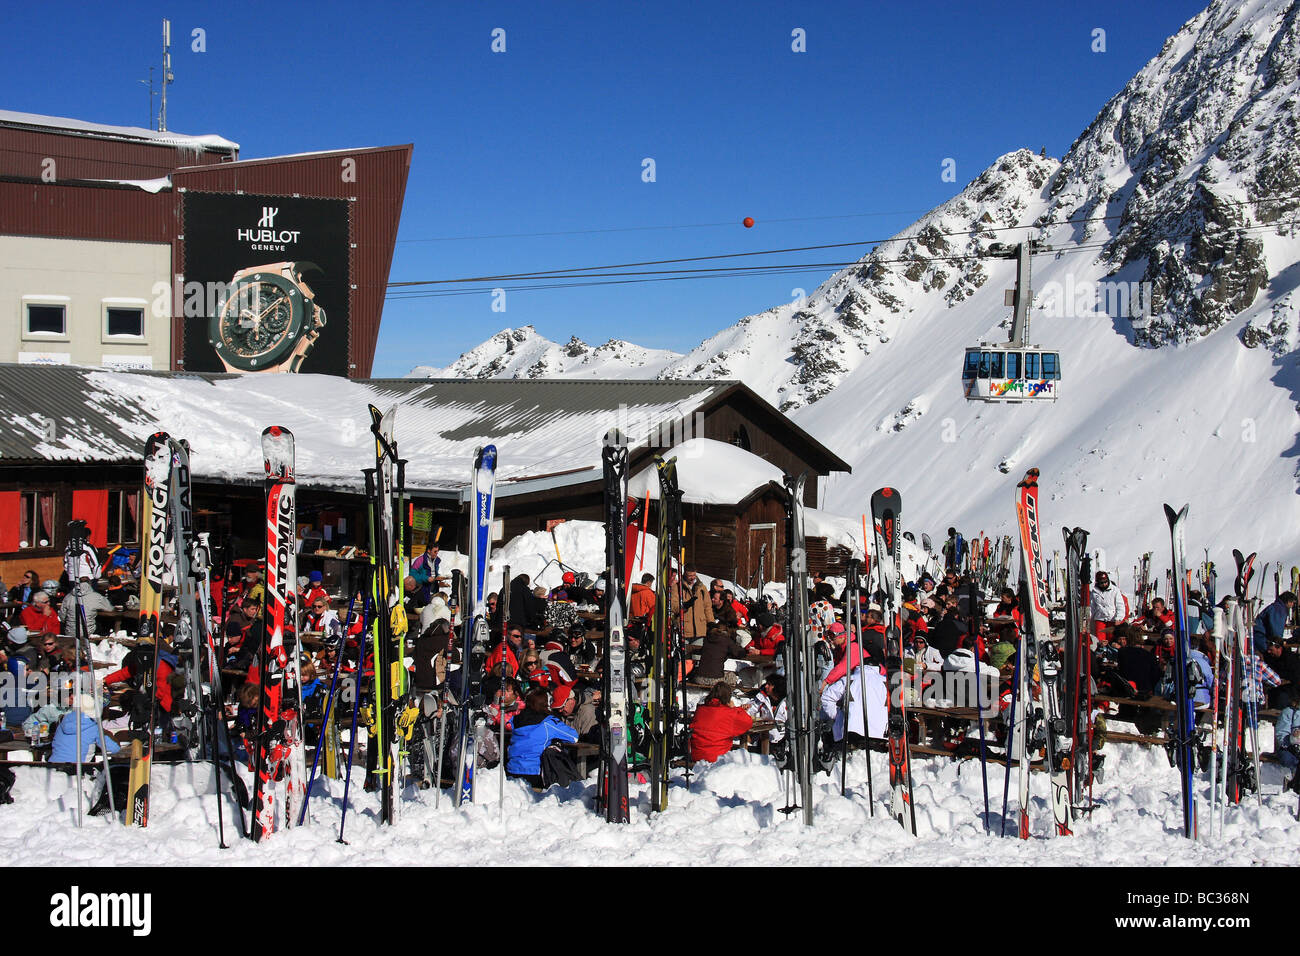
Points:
(860, 682)
(1108, 607)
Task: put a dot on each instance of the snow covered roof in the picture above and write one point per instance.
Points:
(544, 430)
(102, 131)
(709, 473)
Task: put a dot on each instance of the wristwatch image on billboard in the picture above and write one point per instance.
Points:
(269, 321)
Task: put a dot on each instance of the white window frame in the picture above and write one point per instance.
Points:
(60, 300)
(140, 304)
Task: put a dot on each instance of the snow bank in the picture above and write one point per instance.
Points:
(729, 816)
(709, 472)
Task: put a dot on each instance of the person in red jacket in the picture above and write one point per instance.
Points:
(1158, 617)
(768, 636)
(716, 724)
(741, 609)
(39, 617)
(138, 671)
(1009, 607)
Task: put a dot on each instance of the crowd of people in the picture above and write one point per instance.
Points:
(542, 686)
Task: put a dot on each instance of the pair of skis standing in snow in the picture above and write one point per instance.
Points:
(196, 718)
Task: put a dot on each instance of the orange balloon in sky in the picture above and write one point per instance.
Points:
(749, 222)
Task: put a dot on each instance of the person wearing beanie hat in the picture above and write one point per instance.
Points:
(928, 657)
(312, 588)
(563, 699)
(63, 748)
(18, 655)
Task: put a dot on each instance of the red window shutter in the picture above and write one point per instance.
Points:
(91, 506)
(11, 503)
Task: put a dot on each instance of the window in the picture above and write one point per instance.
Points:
(1031, 365)
(971, 369)
(1013, 365)
(124, 321)
(985, 361)
(1051, 365)
(36, 520)
(123, 523)
(996, 370)
(46, 320)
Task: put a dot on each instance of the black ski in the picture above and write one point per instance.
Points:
(614, 697)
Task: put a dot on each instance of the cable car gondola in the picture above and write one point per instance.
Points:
(1013, 371)
(1004, 373)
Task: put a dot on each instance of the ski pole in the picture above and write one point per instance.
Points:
(329, 707)
(84, 625)
(356, 702)
(862, 691)
(501, 708)
(1011, 730)
(76, 696)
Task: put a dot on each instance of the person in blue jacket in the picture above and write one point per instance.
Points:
(1202, 673)
(1286, 736)
(532, 754)
(1271, 623)
(64, 746)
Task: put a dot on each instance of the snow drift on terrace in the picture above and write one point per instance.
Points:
(1172, 176)
(729, 816)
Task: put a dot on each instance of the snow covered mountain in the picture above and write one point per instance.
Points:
(523, 353)
(1169, 289)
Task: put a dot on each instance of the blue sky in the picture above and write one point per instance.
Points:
(846, 139)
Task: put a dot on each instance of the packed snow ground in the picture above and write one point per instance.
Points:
(729, 816)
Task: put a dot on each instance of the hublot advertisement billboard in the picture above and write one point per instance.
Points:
(273, 271)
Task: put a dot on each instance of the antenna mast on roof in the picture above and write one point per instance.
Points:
(167, 75)
(152, 94)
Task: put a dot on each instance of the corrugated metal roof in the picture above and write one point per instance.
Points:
(541, 427)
